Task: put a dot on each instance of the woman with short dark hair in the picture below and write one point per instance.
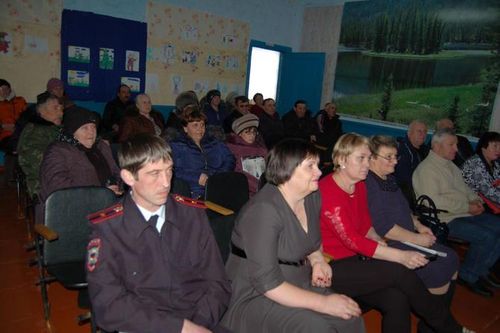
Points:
(482, 171)
(197, 155)
(279, 277)
(392, 218)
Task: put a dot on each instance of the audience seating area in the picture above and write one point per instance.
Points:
(22, 309)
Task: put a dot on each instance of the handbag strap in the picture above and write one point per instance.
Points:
(426, 207)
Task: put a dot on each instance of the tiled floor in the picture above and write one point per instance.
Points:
(21, 306)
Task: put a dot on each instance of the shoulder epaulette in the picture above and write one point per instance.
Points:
(106, 214)
(189, 201)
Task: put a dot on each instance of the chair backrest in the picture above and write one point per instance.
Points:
(66, 213)
(228, 189)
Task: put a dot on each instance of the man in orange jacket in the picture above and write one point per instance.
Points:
(11, 107)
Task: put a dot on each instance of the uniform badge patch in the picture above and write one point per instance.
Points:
(93, 253)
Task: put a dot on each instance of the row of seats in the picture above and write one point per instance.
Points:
(61, 242)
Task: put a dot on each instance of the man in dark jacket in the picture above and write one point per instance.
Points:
(270, 125)
(298, 123)
(153, 264)
(36, 136)
(411, 151)
(242, 107)
(115, 110)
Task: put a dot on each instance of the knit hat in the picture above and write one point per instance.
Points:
(211, 94)
(75, 117)
(244, 122)
(54, 83)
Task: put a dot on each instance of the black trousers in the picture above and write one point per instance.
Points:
(393, 290)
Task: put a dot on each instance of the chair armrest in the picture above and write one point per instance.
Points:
(218, 208)
(46, 232)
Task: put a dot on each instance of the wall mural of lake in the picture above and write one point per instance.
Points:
(435, 59)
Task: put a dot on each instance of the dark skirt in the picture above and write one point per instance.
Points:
(436, 273)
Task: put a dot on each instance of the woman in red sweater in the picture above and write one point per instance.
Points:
(364, 267)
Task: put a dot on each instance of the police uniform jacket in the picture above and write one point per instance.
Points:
(144, 281)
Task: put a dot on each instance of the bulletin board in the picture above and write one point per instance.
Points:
(100, 52)
(192, 50)
(30, 44)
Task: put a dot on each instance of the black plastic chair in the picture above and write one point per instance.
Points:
(229, 190)
(181, 187)
(61, 243)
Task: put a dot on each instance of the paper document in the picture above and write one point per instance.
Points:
(425, 249)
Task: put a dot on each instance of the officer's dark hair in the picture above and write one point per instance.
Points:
(240, 99)
(285, 157)
(43, 98)
(142, 149)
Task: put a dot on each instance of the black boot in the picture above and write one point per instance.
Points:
(422, 327)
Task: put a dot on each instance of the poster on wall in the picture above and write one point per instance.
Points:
(134, 83)
(132, 61)
(106, 58)
(191, 50)
(419, 60)
(78, 78)
(35, 44)
(111, 55)
(152, 83)
(79, 54)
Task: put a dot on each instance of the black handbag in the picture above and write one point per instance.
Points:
(427, 214)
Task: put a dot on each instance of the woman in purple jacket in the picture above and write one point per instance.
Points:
(77, 157)
(249, 152)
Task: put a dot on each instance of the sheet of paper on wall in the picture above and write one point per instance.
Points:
(79, 54)
(189, 57)
(176, 84)
(152, 83)
(134, 83)
(222, 87)
(106, 58)
(5, 43)
(132, 61)
(200, 87)
(78, 78)
(35, 44)
(189, 33)
(168, 54)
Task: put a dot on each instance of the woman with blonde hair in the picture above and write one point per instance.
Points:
(364, 267)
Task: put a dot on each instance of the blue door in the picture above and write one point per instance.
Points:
(301, 77)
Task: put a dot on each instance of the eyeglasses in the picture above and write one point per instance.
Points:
(252, 130)
(389, 158)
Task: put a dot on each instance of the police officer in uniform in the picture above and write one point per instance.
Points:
(153, 264)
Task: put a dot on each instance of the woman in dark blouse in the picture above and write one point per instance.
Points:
(393, 219)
